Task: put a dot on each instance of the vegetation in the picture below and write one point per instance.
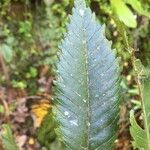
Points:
(87, 102)
(74, 114)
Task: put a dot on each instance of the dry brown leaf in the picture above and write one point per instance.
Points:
(21, 140)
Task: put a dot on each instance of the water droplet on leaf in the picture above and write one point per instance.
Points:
(66, 113)
(84, 100)
(88, 124)
(81, 12)
(84, 41)
(74, 122)
(98, 48)
(96, 95)
(104, 94)
(102, 74)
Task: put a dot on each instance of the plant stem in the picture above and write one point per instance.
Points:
(139, 83)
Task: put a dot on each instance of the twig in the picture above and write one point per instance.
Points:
(33, 97)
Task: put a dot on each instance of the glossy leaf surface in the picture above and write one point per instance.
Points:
(87, 97)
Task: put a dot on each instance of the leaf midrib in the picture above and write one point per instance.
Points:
(87, 85)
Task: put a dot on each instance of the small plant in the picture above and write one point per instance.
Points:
(87, 94)
(124, 14)
(7, 138)
(142, 136)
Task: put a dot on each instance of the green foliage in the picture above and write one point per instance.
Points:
(139, 135)
(6, 47)
(30, 38)
(46, 134)
(19, 84)
(25, 28)
(137, 104)
(123, 12)
(32, 73)
(87, 92)
(142, 136)
(7, 138)
(136, 4)
(140, 68)
(4, 4)
(7, 52)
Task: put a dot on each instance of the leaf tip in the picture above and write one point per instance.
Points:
(78, 3)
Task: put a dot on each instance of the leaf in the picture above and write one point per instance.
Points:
(32, 73)
(123, 13)
(138, 7)
(19, 84)
(7, 52)
(45, 133)
(39, 111)
(138, 134)
(7, 138)
(21, 141)
(140, 69)
(142, 137)
(137, 104)
(87, 86)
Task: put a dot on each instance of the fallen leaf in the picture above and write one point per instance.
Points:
(39, 111)
(21, 140)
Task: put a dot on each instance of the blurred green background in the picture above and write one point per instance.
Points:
(30, 32)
